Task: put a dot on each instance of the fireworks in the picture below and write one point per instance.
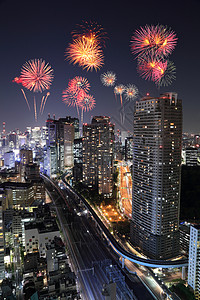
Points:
(79, 83)
(167, 76)
(151, 45)
(153, 39)
(131, 92)
(86, 54)
(36, 75)
(119, 90)
(86, 49)
(108, 78)
(91, 31)
(87, 102)
(76, 95)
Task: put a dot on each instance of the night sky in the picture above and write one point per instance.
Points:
(42, 29)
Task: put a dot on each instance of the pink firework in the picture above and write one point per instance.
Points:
(150, 67)
(87, 102)
(78, 84)
(153, 39)
(36, 75)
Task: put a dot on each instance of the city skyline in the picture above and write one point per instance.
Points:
(44, 31)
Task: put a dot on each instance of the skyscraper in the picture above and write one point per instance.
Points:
(60, 139)
(194, 260)
(98, 139)
(157, 133)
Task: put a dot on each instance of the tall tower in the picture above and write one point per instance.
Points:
(157, 137)
(98, 141)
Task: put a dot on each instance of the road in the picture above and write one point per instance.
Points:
(91, 258)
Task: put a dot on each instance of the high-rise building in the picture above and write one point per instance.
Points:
(78, 160)
(191, 155)
(157, 135)
(98, 141)
(60, 140)
(129, 148)
(2, 267)
(194, 260)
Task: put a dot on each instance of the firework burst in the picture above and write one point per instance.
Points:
(91, 31)
(85, 53)
(150, 67)
(87, 102)
(36, 75)
(79, 83)
(167, 75)
(131, 92)
(158, 40)
(108, 78)
(119, 90)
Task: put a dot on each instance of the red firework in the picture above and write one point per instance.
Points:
(36, 75)
(91, 31)
(79, 83)
(87, 102)
(151, 68)
(153, 39)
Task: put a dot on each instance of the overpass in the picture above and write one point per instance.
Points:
(124, 254)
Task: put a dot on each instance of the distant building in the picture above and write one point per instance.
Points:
(129, 148)
(2, 267)
(40, 233)
(78, 160)
(60, 140)
(184, 238)
(191, 155)
(9, 159)
(194, 260)
(17, 194)
(26, 157)
(157, 142)
(98, 155)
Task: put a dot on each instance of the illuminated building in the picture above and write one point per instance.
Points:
(26, 157)
(129, 148)
(18, 194)
(98, 140)
(78, 160)
(2, 267)
(156, 175)
(191, 155)
(60, 140)
(9, 159)
(194, 260)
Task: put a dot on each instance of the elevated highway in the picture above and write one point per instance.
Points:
(124, 254)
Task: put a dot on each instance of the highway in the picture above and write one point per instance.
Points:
(152, 263)
(91, 260)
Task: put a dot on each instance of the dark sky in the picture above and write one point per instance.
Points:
(42, 29)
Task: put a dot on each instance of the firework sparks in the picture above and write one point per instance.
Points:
(150, 67)
(78, 84)
(153, 39)
(87, 102)
(26, 99)
(85, 53)
(167, 75)
(131, 92)
(119, 90)
(36, 75)
(91, 31)
(108, 78)
(35, 109)
(44, 102)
